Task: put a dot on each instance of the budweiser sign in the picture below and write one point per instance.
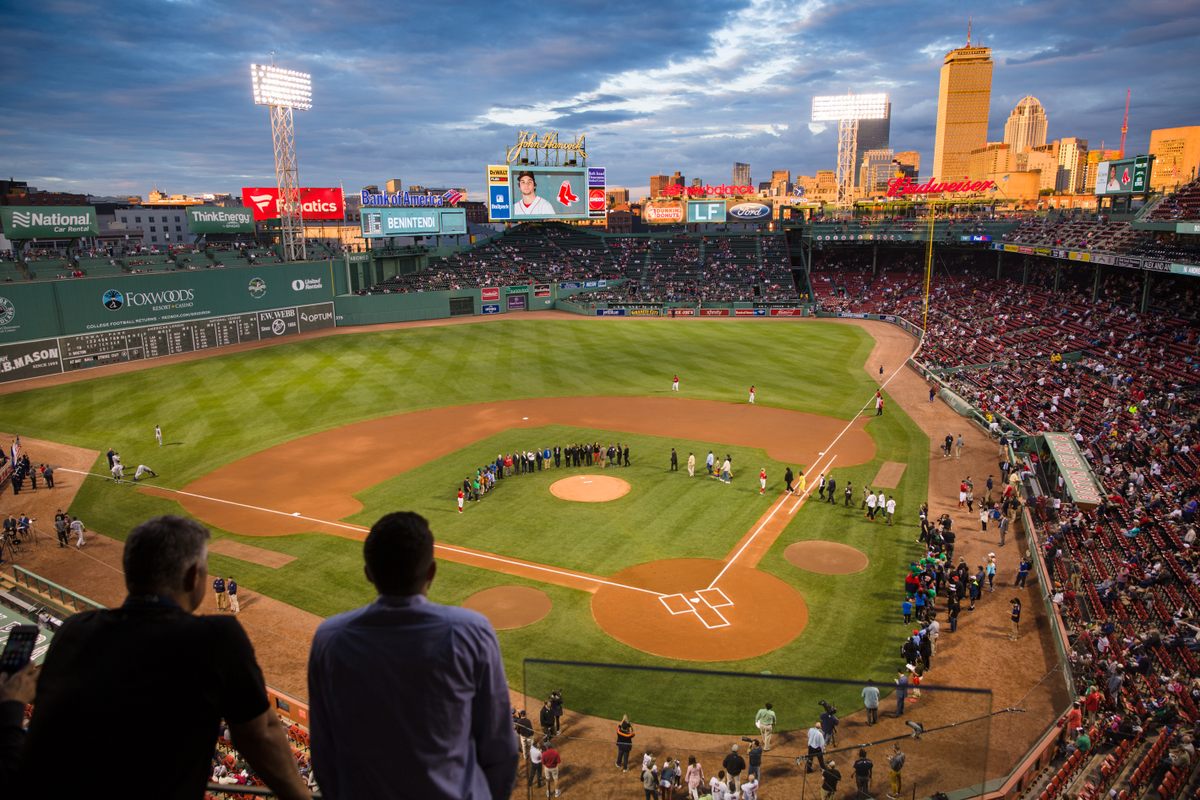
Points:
(315, 203)
(898, 187)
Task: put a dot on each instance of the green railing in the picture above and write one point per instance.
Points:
(59, 594)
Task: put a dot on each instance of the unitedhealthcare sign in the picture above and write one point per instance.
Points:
(48, 222)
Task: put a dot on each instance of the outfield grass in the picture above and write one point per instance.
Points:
(216, 410)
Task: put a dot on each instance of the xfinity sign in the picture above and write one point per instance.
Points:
(61, 222)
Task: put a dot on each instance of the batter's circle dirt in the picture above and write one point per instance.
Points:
(589, 488)
(764, 612)
(827, 558)
(508, 607)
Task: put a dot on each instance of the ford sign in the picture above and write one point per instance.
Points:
(750, 212)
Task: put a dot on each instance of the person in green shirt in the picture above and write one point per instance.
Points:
(1083, 743)
(764, 720)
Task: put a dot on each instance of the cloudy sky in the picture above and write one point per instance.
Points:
(122, 96)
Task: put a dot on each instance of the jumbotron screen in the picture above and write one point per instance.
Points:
(518, 192)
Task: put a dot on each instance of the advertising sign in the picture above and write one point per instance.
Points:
(381, 222)
(451, 197)
(48, 222)
(663, 212)
(701, 211)
(787, 312)
(714, 312)
(610, 312)
(1126, 176)
(491, 308)
(539, 192)
(749, 212)
(315, 203)
(29, 360)
(749, 312)
(597, 183)
(220, 220)
(516, 302)
(499, 196)
(541, 290)
(489, 294)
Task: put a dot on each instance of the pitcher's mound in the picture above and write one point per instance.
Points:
(827, 558)
(589, 488)
(508, 607)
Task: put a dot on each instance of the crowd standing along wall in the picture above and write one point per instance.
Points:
(60, 326)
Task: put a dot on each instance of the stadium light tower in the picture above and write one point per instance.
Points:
(847, 110)
(281, 91)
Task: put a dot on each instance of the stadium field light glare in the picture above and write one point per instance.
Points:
(834, 107)
(285, 88)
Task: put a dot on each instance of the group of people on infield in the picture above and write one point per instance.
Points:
(522, 462)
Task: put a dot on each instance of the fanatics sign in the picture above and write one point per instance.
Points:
(315, 203)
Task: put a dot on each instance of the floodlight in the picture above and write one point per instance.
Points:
(284, 88)
(831, 108)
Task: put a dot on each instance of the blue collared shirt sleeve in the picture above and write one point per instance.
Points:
(491, 720)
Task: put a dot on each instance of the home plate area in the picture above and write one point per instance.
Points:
(704, 603)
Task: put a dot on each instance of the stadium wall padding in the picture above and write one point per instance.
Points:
(47, 309)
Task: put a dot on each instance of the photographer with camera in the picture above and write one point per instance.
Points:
(829, 723)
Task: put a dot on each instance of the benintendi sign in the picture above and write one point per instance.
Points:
(48, 222)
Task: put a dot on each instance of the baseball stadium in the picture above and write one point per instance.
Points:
(748, 493)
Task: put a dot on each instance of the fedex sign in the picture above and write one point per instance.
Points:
(315, 203)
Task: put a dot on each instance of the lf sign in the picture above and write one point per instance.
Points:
(704, 211)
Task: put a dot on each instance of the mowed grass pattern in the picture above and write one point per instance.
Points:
(216, 410)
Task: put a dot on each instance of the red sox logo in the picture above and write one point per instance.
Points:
(566, 196)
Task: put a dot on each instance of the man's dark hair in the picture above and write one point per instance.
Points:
(527, 173)
(398, 552)
(160, 551)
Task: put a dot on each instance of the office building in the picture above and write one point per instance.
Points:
(741, 174)
(964, 94)
(1176, 154)
(908, 163)
(1072, 162)
(1026, 126)
(873, 134)
(657, 183)
(877, 168)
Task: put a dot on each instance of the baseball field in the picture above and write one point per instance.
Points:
(289, 453)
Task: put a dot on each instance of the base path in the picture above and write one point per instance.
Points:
(751, 614)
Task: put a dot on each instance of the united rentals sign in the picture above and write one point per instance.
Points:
(220, 220)
(899, 187)
(48, 222)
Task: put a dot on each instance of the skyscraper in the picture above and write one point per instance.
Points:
(1072, 163)
(657, 182)
(908, 163)
(964, 94)
(873, 134)
(1026, 126)
(741, 174)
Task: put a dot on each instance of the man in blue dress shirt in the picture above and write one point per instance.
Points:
(409, 697)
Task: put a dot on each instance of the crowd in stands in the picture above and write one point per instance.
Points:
(680, 268)
(1183, 204)
(1059, 352)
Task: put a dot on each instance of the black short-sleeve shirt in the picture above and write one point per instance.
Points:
(140, 691)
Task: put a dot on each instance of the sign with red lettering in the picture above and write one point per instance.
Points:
(683, 312)
(714, 312)
(898, 187)
(489, 294)
(707, 190)
(787, 312)
(315, 203)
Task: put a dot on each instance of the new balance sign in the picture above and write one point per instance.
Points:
(315, 203)
(220, 220)
(52, 222)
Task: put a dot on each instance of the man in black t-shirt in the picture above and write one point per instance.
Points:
(863, 767)
(163, 675)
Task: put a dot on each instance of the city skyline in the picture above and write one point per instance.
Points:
(92, 109)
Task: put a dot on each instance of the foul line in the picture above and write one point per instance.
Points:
(813, 468)
(359, 528)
